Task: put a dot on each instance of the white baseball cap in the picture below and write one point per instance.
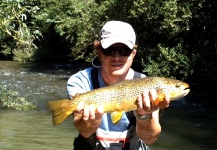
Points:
(117, 32)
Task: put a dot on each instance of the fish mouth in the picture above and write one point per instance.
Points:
(186, 91)
(182, 94)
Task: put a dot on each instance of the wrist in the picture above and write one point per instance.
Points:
(142, 117)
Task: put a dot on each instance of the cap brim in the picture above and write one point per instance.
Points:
(109, 41)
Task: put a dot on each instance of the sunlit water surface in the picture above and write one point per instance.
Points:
(184, 126)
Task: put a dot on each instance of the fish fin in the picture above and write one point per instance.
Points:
(116, 116)
(59, 110)
(77, 94)
(159, 99)
(156, 102)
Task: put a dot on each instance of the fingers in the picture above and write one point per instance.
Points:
(147, 102)
(153, 99)
(165, 103)
(99, 110)
(143, 103)
(79, 110)
(88, 112)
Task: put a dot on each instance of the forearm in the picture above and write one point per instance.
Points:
(148, 130)
(86, 128)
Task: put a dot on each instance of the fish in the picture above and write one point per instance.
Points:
(119, 97)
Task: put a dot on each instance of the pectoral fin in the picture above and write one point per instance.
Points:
(116, 116)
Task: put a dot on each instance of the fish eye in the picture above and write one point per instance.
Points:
(178, 85)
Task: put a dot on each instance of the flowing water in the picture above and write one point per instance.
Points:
(184, 126)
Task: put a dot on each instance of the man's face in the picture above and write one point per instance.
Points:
(117, 59)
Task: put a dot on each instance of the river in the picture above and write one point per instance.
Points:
(184, 125)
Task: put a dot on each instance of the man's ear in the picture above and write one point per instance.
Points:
(134, 53)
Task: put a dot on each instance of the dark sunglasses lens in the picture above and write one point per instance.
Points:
(123, 51)
(107, 51)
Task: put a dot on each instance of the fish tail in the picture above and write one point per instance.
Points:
(59, 110)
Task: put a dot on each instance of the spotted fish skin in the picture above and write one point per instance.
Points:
(119, 97)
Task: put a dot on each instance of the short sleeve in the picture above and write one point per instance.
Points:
(79, 82)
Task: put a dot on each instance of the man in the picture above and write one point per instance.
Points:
(116, 50)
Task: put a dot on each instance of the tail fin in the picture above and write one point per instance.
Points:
(61, 109)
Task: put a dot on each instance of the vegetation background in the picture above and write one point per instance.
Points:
(176, 38)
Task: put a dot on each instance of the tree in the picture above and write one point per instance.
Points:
(17, 33)
(173, 36)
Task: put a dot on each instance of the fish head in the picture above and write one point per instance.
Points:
(175, 89)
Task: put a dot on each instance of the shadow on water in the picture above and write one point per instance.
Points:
(189, 126)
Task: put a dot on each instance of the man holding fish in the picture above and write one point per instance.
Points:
(116, 50)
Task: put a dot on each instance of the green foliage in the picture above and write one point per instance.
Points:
(17, 30)
(173, 36)
(76, 24)
(160, 26)
(168, 62)
(201, 40)
(11, 99)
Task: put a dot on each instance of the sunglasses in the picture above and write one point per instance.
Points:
(122, 51)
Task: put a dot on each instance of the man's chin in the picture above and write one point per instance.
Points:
(118, 72)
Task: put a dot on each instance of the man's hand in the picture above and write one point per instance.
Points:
(146, 102)
(87, 118)
(88, 112)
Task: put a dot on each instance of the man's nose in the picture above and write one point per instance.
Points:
(116, 55)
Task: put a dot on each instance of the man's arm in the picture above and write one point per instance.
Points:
(149, 130)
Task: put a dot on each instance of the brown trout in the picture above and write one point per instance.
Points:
(120, 97)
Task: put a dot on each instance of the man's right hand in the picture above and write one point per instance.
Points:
(87, 118)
